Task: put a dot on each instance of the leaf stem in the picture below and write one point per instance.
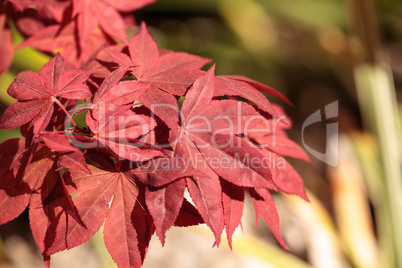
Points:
(65, 111)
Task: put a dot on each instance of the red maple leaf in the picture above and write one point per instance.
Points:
(164, 196)
(122, 131)
(64, 37)
(168, 73)
(274, 143)
(82, 26)
(14, 194)
(38, 93)
(104, 14)
(41, 187)
(114, 125)
(209, 141)
(68, 156)
(115, 198)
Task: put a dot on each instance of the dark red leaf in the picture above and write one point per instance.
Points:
(233, 201)
(188, 215)
(93, 14)
(10, 150)
(226, 154)
(228, 117)
(109, 82)
(27, 86)
(206, 194)
(164, 205)
(272, 136)
(282, 145)
(42, 170)
(264, 206)
(120, 234)
(243, 167)
(14, 197)
(92, 205)
(109, 20)
(50, 38)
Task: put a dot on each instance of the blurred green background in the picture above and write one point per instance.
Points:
(315, 52)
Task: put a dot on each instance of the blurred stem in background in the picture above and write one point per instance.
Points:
(378, 106)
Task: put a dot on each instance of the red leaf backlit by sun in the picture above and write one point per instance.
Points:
(129, 132)
(38, 94)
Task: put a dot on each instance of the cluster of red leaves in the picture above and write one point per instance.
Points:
(76, 27)
(155, 125)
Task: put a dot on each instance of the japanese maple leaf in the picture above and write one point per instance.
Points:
(14, 194)
(64, 37)
(210, 140)
(265, 207)
(214, 127)
(38, 93)
(68, 156)
(112, 122)
(104, 14)
(82, 30)
(164, 195)
(117, 94)
(49, 202)
(35, 189)
(232, 203)
(254, 84)
(104, 194)
(40, 178)
(41, 187)
(274, 143)
(121, 131)
(273, 136)
(168, 73)
(226, 85)
(114, 198)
